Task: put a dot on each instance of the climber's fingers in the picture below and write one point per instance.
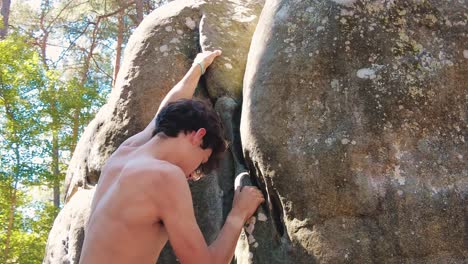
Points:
(207, 57)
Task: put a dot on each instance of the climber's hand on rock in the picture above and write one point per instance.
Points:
(246, 201)
(207, 57)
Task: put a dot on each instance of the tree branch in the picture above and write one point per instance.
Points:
(73, 43)
(58, 15)
(100, 69)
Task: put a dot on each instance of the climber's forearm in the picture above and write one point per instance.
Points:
(185, 88)
(222, 249)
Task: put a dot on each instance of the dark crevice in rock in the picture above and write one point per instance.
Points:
(92, 176)
(254, 173)
(226, 187)
(80, 241)
(465, 232)
(236, 146)
(235, 139)
(228, 109)
(201, 90)
(275, 207)
(394, 220)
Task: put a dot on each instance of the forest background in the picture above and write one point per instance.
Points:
(58, 62)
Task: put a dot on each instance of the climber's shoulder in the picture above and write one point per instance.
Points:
(155, 172)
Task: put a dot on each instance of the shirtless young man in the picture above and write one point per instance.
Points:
(143, 197)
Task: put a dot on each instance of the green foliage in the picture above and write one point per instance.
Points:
(32, 237)
(32, 224)
(37, 107)
(21, 76)
(35, 104)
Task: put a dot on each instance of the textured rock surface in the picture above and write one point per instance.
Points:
(228, 25)
(66, 238)
(355, 121)
(158, 54)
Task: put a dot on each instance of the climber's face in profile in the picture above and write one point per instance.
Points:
(200, 158)
(189, 153)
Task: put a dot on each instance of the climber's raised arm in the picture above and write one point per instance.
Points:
(184, 89)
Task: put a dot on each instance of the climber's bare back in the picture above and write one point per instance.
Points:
(123, 226)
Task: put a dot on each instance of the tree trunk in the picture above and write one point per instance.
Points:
(55, 139)
(84, 78)
(55, 168)
(45, 32)
(5, 12)
(76, 127)
(11, 217)
(121, 28)
(13, 199)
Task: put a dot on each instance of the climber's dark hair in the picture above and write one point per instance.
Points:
(187, 115)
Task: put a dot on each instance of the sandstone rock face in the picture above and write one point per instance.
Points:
(228, 25)
(157, 56)
(355, 122)
(66, 238)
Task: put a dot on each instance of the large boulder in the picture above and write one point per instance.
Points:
(158, 54)
(66, 238)
(355, 123)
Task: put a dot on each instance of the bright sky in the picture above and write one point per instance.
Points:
(53, 52)
(36, 4)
